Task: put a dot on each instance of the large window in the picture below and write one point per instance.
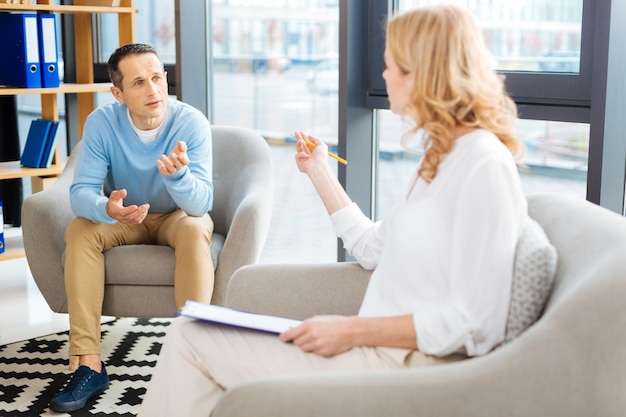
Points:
(555, 160)
(276, 68)
(551, 53)
(275, 71)
(154, 25)
(315, 65)
(524, 37)
(533, 35)
(546, 49)
(273, 68)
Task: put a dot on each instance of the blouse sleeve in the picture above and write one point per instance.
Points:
(361, 237)
(487, 218)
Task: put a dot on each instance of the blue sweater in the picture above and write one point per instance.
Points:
(113, 158)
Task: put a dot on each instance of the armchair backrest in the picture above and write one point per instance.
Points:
(241, 167)
(590, 241)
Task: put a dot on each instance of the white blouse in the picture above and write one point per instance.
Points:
(445, 253)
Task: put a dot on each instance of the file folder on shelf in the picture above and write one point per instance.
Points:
(36, 143)
(48, 56)
(19, 50)
(51, 141)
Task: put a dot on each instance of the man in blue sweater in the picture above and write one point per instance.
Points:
(144, 176)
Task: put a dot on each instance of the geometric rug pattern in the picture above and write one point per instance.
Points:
(33, 371)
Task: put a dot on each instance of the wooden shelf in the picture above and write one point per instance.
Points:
(52, 8)
(13, 169)
(63, 88)
(83, 88)
(14, 248)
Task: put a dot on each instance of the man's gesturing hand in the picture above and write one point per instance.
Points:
(128, 215)
(175, 161)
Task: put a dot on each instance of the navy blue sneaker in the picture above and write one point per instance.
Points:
(84, 384)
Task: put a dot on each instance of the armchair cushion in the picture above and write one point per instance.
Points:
(298, 291)
(152, 264)
(533, 274)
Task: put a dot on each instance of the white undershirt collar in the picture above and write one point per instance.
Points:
(147, 136)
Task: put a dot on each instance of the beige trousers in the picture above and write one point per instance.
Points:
(199, 361)
(189, 236)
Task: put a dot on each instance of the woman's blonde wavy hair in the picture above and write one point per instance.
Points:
(454, 83)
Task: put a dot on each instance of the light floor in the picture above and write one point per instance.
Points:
(23, 311)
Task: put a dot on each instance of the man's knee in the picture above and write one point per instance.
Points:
(190, 227)
(83, 233)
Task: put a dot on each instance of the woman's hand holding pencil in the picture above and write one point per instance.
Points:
(307, 141)
(311, 158)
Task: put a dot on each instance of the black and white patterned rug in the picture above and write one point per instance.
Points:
(33, 371)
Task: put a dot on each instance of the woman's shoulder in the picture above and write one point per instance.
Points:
(474, 149)
(481, 135)
(480, 142)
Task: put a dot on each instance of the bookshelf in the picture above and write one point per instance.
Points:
(84, 88)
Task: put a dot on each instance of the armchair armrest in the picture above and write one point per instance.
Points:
(298, 291)
(45, 216)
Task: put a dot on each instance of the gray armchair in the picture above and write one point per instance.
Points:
(140, 278)
(570, 363)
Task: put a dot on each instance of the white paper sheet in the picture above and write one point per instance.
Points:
(231, 317)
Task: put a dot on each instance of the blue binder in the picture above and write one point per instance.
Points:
(19, 48)
(51, 141)
(48, 56)
(35, 143)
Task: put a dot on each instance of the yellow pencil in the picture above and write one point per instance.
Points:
(332, 155)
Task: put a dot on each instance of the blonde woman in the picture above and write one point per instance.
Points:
(442, 259)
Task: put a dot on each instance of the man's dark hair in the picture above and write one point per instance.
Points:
(122, 52)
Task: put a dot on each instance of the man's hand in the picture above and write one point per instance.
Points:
(176, 160)
(128, 215)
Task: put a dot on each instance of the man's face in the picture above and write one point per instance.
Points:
(144, 89)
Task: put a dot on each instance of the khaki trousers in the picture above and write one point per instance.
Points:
(199, 361)
(189, 236)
